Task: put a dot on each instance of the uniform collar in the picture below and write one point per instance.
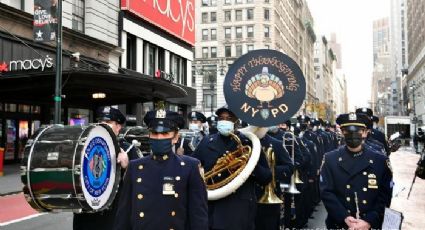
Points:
(161, 157)
(345, 160)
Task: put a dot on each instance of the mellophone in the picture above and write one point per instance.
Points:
(71, 168)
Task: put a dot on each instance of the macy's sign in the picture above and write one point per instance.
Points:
(174, 16)
(27, 64)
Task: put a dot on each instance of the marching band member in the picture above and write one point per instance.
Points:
(105, 219)
(212, 124)
(268, 215)
(164, 190)
(237, 210)
(356, 182)
(196, 124)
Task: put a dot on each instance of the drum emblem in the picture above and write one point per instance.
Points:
(97, 166)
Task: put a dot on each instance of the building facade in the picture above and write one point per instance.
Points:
(381, 96)
(230, 28)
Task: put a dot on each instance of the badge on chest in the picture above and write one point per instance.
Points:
(168, 186)
(372, 182)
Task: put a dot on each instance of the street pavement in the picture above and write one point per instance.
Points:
(16, 214)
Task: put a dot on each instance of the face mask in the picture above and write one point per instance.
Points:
(273, 129)
(225, 127)
(353, 139)
(314, 128)
(375, 126)
(194, 127)
(160, 146)
(301, 134)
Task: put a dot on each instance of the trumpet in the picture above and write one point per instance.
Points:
(295, 176)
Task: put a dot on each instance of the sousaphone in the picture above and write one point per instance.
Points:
(262, 88)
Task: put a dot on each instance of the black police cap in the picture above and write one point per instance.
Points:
(365, 110)
(196, 116)
(212, 121)
(163, 121)
(375, 119)
(314, 122)
(109, 113)
(303, 118)
(224, 109)
(353, 119)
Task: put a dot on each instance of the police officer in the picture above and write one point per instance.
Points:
(375, 133)
(356, 181)
(196, 124)
(105, 219)
(163, 190)
(212, 124)
(237, 210)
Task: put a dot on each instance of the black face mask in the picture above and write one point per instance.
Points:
(353, 139)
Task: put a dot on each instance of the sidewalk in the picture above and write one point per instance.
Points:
(404, 165)
(10, 182)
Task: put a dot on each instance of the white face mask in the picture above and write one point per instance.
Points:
(301, 134)
(314, 128)
(194, 127)
(225, 127)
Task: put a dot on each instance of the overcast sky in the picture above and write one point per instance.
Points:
(352, 21)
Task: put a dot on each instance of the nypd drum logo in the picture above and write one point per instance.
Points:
(264, 87)
(96, 167)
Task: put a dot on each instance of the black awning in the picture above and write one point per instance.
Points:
(79, 86)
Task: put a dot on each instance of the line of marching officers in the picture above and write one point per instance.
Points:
(166, 191)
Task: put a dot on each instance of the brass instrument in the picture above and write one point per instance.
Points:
(269, 196)
(295, 177)
(231, 163)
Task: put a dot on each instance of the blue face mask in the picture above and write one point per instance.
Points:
(160, 146)
(273, 129)
(194, 127)
(225, 127)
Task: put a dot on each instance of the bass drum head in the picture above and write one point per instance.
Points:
(99, 177)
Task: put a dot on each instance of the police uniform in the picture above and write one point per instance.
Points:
(105, 219)
(163, 191)
(268, 215)
(190, 144)
(355, 184)
(237, 210)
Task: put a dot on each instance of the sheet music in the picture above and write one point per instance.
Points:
(392, 219)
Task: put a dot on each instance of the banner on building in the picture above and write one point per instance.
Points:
(45, 20)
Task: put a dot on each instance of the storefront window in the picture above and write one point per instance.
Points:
(23, 137)
(35, 109)
(24, 108)
(9, 152)
(10, 107)
(34, 126)
(78, 116)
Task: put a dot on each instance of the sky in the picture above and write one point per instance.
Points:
(352, 21)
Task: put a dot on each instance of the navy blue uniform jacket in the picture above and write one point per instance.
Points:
(236, 211)
(370, 177)
(142, 204)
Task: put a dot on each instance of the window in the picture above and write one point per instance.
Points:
(227, 16)
(249, 1)
(238, 1)
(250, 31)
(227, 2)
(152, 59)
(249, 14)
(78, 15)
(266, 14)
(266, 31)
(228, 51)
(213, 17)
(178, 69)
(238, 50)
(267, 46)
(238, 16)
(204, 17)
(228, 33)
(205, 2)
(210, 100)
(213, 34)
(213, 2)
(131, 52)
(238, 32)
(204, 34)
(204, 52)
(213, 52)
(250, 47)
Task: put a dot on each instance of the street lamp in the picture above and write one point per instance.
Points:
(415, 119)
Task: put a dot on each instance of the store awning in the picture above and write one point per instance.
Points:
(79, 86)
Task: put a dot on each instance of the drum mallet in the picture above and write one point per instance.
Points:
(133, 143)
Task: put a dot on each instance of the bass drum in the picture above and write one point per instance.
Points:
(71, 168)
(138, 133)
